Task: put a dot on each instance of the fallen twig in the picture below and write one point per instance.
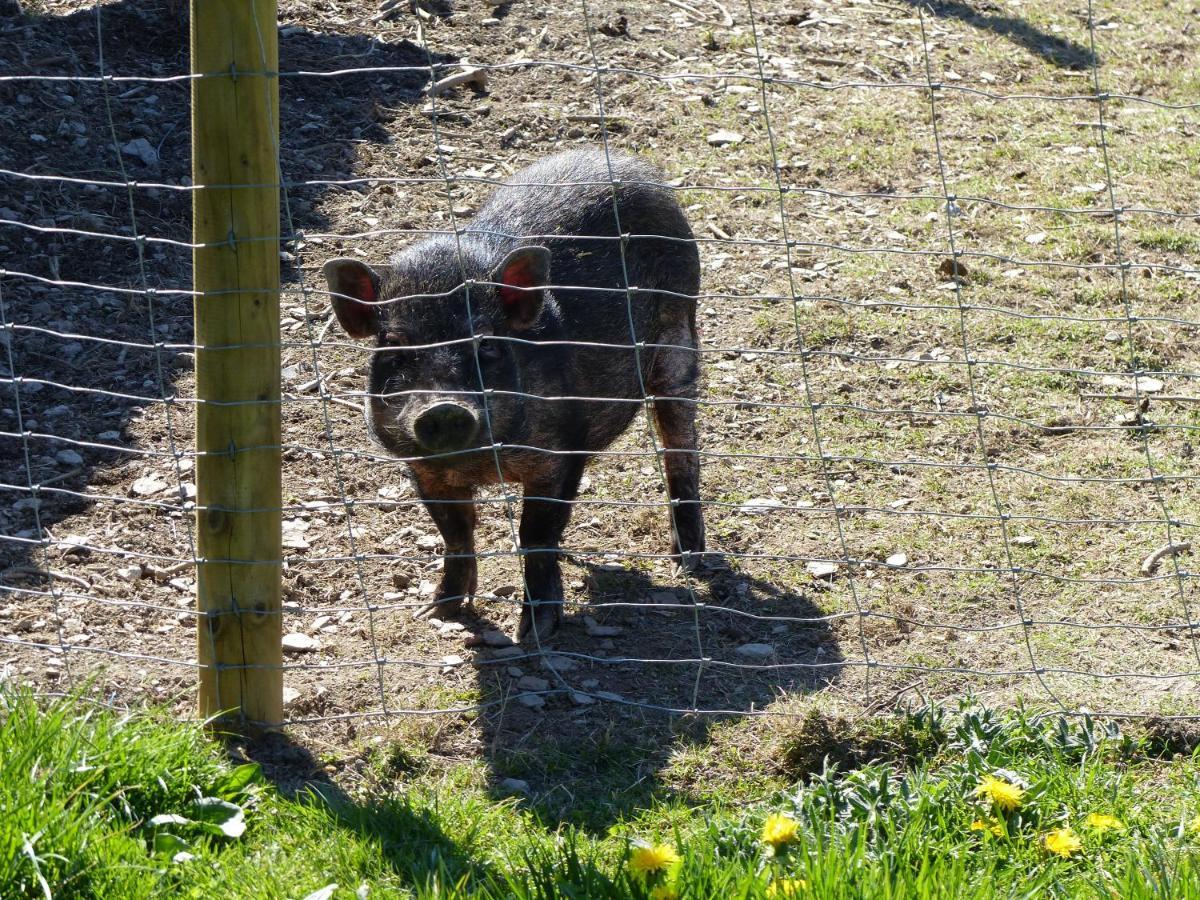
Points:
(473, 76)
(1150, 563)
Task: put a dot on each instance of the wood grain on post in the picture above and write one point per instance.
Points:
(235, 129)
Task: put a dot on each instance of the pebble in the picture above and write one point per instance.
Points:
(821, 569)
(68, 458)
(452, 660)
(515, 671)
(400, 581)
(756, 651)
(320, 622)
(507, 652)
(558, 663)
(533, 683)
(505, 590)
(581, 699)
(496, 639)
(595, 629)
(290, 696)
(722, 138)
(299, 643)
(533, 701)
(147, 485)
(514, 786)
(1024, 540)
(590, 684)
(897, 560)
(141, 149)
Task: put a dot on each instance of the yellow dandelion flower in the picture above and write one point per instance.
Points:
(1194, 825)
(664, 892)
(779, 830)
(1003, 794)
(992, 827)
(1100, 823)
(649, 859)
(786, 888)
(1063, 842)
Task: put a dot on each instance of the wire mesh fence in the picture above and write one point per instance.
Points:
(947, 320)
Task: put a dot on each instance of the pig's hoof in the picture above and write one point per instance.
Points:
(539, 622)
(440, 608)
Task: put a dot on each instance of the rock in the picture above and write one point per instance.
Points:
(451, 628)
(756, 651)
(514, 786)
(533, 701)
(148, 485)
(595, 629)
(299, 643)
(723, 138)
(821, 569)
(320, 622)
(496, 639)
(897, 560)
(1143, 384)
(75, 545)
(452, 660)
(68, 458)
(558, 663)
(400, 581)
(590, 684)
(141, 149)
(290, 696)
(427, 542)
(515, 671)
(293, 534)
(505, 590)
(1024, 540)
(507, 652)
(760, 505)
(581, 699)
(533, 683)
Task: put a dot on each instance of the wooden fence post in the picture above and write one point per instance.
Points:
(235, 140)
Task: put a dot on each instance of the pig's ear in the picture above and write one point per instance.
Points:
(353, 289)
(522, 280)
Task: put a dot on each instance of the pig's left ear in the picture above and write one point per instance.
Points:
(522, 279)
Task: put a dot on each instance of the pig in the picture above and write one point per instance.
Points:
(524, 344)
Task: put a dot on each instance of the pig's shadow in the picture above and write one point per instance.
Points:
(593, 742)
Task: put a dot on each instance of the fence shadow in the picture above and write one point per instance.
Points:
(83, 277)
(986, 16)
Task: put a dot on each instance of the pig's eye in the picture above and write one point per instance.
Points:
(489, 351)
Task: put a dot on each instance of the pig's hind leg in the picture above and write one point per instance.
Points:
(673, 382)
(452, 509)
(549, 497)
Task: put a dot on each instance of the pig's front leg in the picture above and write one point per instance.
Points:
(452, 508)
(544, 514)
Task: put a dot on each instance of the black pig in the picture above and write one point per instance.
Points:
(484, 372)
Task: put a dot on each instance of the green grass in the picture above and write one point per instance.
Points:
(96, 804)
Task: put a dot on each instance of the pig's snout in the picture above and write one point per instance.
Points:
(445, 427)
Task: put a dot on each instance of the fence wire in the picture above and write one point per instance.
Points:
(1008, 512)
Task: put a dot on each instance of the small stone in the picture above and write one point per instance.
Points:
(507, 652)
(1113, 337)
(505, 590)
(1024, 540)
(290, 696)
(760, 505)
(451, 660)
(427, 542)
(451, 628)
(533, 683)
(515, 671)
(148, 485)
(400, 581)
(533, 701)
(581, 699)
(558, 663)
(496, 639)
(299, 643)
(132, 573)
(320, 622)
(590, 684)
(75, 544)
(595, 629)
(68, 458)
(756, 651)
(514, 786)
(141, 149)
(821, 569)
(723, 138)
(897, 560)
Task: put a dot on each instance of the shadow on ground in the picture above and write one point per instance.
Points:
(989, 16)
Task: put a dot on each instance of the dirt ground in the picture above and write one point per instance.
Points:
(924, 485)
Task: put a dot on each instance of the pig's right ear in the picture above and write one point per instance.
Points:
(353, 291)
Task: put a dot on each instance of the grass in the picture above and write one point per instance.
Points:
(94, 803)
